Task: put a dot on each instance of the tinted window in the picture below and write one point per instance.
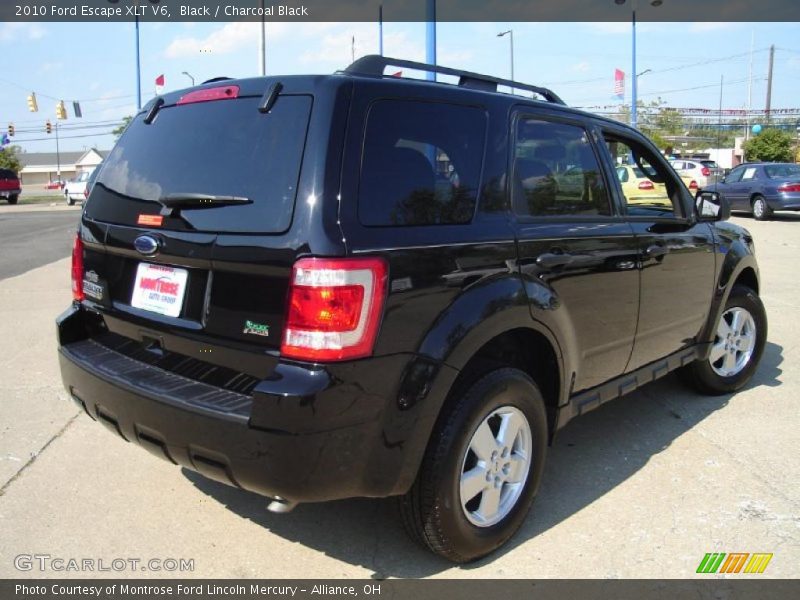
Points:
(7, 174)
(223, 148)
(710, 164)
(734, 175)
(421, 164)
(556, 172)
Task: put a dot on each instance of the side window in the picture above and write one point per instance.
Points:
(734, 175)
(749, 173)
(421, 163)
(648, 189)
(556, 172)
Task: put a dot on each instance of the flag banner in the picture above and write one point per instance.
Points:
(619, 84)
(160, 84)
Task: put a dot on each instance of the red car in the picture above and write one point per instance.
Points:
(10, 188)
(55, 185)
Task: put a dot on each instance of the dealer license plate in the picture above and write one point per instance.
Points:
(159, 289)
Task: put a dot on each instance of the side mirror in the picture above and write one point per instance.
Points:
(712, 207)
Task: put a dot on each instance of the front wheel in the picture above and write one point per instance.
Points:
(481, 470)
(761, 210)
(739, 342)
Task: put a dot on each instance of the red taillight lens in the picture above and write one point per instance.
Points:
(335, 308)
(789, 187)
(86, 192)
(705, 171)
(227, 92)
(646, 185)
(693, 185)
(77, 269)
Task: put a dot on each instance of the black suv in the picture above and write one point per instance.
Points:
(320, 287)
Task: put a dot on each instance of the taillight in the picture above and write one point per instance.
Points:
(693, 185)
(646, 185)
(705, 171)
(86, 192)
(226, 92)
(77, 269)
(334, 308)
(789, 187)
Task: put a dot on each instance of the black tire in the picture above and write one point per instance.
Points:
(761, 210)
(12, 199)
(432, 511)
(701, 374)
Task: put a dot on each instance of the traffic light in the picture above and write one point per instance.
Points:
(48, 127)
(10, 130)
(61, 111)
(33, 106)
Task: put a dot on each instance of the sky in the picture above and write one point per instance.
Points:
(94, 63)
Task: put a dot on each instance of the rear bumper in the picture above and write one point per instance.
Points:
(7, 193)
(785, 202)
(305, 434)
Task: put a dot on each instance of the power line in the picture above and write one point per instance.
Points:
(63, 137)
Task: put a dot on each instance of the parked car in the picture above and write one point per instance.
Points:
(58, 184)
(638, 188)
(327, 318)
(75, 189)
(761, 188)
(703, 171)
(10, 187)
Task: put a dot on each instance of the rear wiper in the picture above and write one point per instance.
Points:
(172, 203)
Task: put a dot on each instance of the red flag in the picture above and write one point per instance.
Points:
(159, 84)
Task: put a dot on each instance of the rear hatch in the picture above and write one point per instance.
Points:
(174, 229)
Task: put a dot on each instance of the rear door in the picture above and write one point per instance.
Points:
(572, 238)
(213, 273)
(676, 255)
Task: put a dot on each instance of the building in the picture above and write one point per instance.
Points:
(41, 168)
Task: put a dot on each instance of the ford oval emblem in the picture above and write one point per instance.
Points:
(146, 244)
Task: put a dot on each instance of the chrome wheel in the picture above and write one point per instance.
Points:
(734, 342)
(495, 466)
(759, 208)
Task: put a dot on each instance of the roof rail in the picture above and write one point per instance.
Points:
(375, 65)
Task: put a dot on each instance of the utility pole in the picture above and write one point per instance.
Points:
(380, 29)
(430, 36)
(719, 121)
(353, 49)
(58, 155)
(769, 82)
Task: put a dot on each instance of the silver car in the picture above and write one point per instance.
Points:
(702, 170)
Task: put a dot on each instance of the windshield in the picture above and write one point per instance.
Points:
(223, 148)
(780, 171)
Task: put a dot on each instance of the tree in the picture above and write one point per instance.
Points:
(771, 145)
(9, 159)
(120, 129)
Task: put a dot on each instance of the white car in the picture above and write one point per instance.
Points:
(75, 189)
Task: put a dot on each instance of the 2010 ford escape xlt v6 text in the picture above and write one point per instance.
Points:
(321, 287)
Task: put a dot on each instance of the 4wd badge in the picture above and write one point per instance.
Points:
(256, 329)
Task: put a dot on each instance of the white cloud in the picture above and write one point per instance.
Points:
(14, 32)
(234, 36)
(581, 67)
(711, 26)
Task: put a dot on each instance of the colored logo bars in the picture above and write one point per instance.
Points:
(736, 562)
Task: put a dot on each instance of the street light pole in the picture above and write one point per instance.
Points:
(634, 86)
(262, 46)
(510, 34)
(189, 76)
(138, 67)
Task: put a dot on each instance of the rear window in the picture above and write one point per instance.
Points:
(7, 174)
(780, 171)
(422, 163)
(223, 148)
(710, 164)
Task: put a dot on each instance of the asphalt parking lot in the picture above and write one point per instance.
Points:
(641, 488)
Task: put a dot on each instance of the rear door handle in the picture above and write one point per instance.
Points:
(656, 251)
(551, 260)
